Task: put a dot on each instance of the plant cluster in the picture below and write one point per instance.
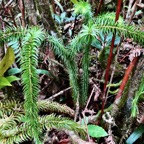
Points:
(22, 121)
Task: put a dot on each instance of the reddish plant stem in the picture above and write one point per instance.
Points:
(125, 78)
(118, 10)
(107, 73)
(110, 59)
(131, 65)
(99, 7)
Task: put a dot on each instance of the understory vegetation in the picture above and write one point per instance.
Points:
(71, 72)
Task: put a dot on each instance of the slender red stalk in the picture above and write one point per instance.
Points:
(107, 72)
(125, 78)
(110, 57)
(131, 65)
(118, 10)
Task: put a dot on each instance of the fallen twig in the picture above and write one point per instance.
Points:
(58, 94)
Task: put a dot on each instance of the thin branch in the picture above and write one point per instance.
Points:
(83, 113)
(113, 70)
(134, 10)
(89, 98)
(76, 139)
(8, 3)
(110, 58)
(58, 94)
(107, 73)
(129, 8)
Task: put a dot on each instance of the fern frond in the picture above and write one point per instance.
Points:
(29, 62)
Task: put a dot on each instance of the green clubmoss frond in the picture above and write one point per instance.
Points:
(12, 33)
(45, 105)
(17, 135)
(69, 60)
(12, 37)
(8, 107)
(58, 47)
(83, 8)
(30, 81)
(13, 107)
(107, 24)
(21, 132)
(59, 122)
(87, 33)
